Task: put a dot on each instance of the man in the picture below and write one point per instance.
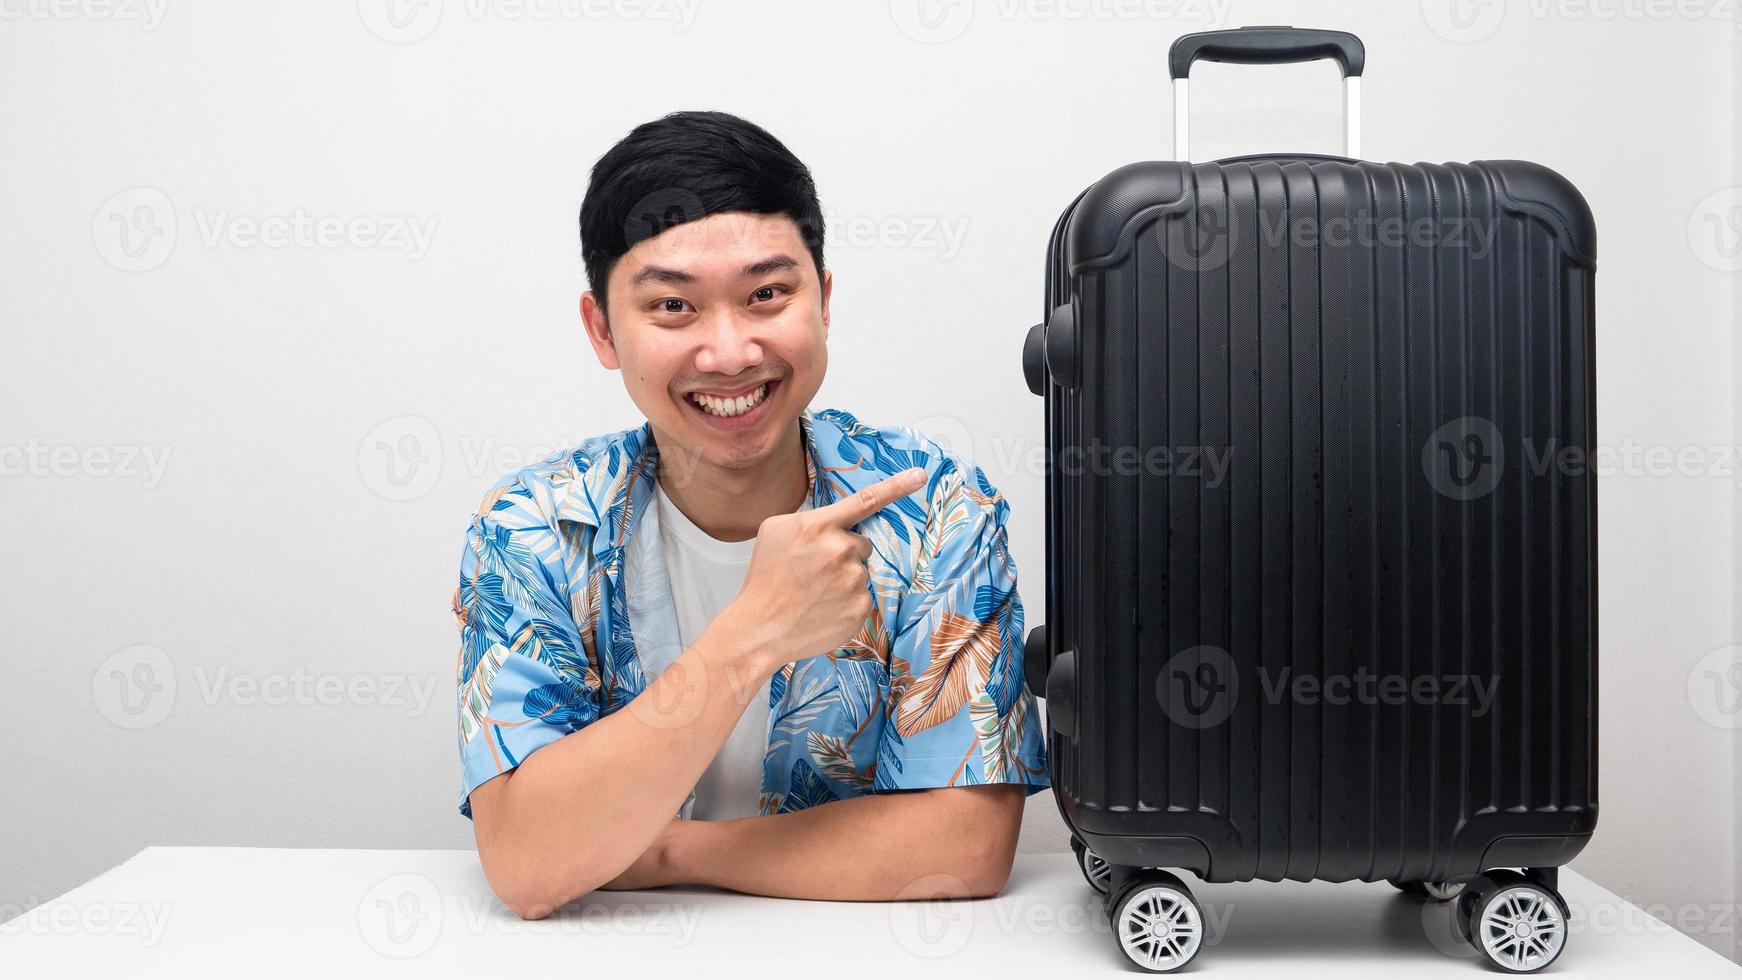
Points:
(797, 633)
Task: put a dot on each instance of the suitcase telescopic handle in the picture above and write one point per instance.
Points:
(1269, 46)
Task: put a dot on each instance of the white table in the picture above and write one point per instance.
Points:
(206, 911)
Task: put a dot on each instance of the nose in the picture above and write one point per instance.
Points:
(729, 347)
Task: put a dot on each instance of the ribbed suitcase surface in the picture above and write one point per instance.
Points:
(1314, 430)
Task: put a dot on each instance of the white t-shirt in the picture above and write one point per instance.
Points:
(705, 574)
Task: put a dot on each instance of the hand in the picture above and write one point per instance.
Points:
(808, 589)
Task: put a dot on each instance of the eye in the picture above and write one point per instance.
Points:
(767, 293)
(671, 304)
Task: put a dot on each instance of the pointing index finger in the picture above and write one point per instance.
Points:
(851, 510)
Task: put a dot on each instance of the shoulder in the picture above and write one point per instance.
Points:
(950, 472)
(569, 484)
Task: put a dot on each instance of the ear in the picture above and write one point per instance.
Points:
(598, 330)
(828, 288)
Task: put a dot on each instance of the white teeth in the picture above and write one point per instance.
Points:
(728, 407)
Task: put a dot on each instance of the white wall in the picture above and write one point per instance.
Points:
(271, 547)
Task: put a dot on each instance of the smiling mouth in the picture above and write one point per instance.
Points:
(740, 404)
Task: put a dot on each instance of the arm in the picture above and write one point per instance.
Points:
(954, 842)
(962, 742)
(579, 810)
(624, 775)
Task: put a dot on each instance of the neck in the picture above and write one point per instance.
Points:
(731, 503)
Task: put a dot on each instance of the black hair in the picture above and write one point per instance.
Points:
(683, 167)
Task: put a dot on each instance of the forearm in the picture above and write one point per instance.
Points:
(953, 842)
(580, 810)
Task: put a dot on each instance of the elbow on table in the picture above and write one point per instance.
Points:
(527, 899)
(527, 909)
(984, 871)
(531, 910)
(522, 867)
(988, 878)
(535, 899)
(994, 812)
(532, 888)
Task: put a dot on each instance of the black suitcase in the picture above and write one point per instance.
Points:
(1320, 543)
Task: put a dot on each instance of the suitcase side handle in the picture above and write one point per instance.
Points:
(1269, 46)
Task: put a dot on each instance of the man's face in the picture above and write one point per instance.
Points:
(730, 306)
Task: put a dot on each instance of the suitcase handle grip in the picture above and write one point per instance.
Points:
(1267, 46)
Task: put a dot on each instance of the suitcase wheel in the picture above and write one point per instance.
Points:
(1096, 871)
(1157, 922)
(1060, 347)
(1518, 922)
(1036, 661)
(1034, 358)
(1439, 891)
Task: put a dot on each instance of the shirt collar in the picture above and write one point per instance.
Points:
(612, 485)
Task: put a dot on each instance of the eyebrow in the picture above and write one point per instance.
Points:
(657, 273)
(774, 263)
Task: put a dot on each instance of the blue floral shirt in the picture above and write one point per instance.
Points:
(929, 693)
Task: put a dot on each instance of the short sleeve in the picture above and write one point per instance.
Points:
(959, 713)
(524, 679)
